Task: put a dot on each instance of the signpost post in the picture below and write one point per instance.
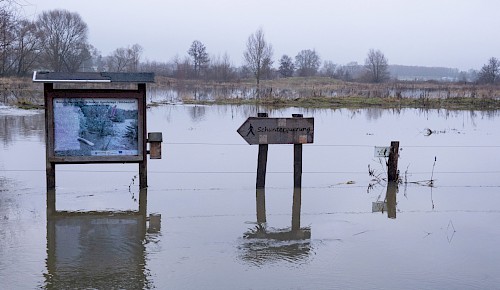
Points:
(262, 130)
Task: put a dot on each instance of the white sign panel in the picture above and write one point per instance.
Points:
(382, 151)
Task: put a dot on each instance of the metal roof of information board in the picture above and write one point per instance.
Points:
(93, 77)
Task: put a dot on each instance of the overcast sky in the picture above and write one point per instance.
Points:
(461, 34)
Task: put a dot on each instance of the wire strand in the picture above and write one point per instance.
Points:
(337, 145)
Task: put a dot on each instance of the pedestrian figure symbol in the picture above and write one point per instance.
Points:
(250, 130)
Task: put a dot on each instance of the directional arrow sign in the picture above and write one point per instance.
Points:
(256, 130)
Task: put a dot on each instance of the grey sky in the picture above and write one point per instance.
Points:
(451, 33)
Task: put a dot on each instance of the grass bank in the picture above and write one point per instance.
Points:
(312, 92)
(357, 102)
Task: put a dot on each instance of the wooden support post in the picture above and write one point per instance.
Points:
(50, 172)
(297, 161)
(143, 165)
(143, 201)
(143, 209)
(297, 165)
(51, 202)
(297, 201)
(262, 161)
(392, 164)
(50, 168)
(260, 198)
(143, 174)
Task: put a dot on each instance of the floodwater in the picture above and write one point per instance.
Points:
(345, 229)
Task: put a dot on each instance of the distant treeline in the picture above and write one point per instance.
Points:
(57, 40)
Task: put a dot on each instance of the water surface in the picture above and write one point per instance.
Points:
(426, 237)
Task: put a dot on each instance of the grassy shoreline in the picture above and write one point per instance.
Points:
(462, 103)
(313, 92)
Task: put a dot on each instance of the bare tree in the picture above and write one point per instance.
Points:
(307, 62)
(258, 55)
(64, 40)
(159, 68)
(118, 60)
(490, 72)
(377, 66)
(221, 68)
(135, 53)
(27, 46)
(329, 69)
(287, 68)
(198, 53)
(125, 59)
(8, 24)
(182, 67)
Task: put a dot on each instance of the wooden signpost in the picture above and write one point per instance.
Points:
(262, 130)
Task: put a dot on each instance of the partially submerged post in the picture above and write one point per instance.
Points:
(392, 163)
(392, 153)
(260, 200)
(79, 123)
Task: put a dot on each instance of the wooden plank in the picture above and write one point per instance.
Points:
(258, 130)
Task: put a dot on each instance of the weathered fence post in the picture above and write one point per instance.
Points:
(392, 164)
(262, 161)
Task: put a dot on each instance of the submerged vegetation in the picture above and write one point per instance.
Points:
(322, 92)
(311, 92)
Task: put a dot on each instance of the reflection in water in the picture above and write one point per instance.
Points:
(390, 202)
(97, 250)
(390, 199)
(209, 210)
(197, 113)
(31, 124)
(264, 244)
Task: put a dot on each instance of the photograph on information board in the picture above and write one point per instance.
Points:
(95, 127)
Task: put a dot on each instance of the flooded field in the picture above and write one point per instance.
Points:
(436, 230)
